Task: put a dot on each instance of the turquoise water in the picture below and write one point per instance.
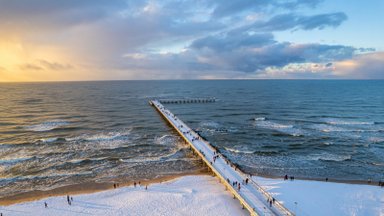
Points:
(54, 134)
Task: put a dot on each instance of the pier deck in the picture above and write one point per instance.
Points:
(251, 196)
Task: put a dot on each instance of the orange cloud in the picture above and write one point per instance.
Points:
(365, 66)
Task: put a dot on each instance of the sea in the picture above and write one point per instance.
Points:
(63, 133)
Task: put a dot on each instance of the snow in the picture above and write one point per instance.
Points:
(204, 195)
(326, 198)
(189, 195)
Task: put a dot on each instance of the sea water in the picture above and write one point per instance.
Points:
(55, 134)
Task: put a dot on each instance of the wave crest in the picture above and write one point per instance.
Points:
(47, 126)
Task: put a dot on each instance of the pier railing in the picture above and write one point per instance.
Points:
(187, 100)
(246, 203)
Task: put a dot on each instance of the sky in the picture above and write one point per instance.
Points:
(46, 40)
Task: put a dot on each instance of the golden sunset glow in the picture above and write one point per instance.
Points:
(114, 40)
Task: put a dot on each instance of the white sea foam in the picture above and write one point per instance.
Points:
(284, 128)
(329, 128)
(104, 136)
(210, 124)
(336, 121)
(47, 126)
(376, 139)
(260, 119)
(238, 150)
(328, 157)
(165, 139)
(49, 140)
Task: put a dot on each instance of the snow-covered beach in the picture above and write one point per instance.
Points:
(204, 195)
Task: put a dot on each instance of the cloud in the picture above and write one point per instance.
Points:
(30, 67)
(55, 66)
(283, 22)
(45, 65)
(364, 66)
(174, 39)
(255, 52)
(228, 8)
(232, 41)
(27, 14)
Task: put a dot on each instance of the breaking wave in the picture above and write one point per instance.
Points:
(47, 126)
(104, 136)
(335, 121)
(283, 128)
(238, 151)
(328, 157)
(165, 140)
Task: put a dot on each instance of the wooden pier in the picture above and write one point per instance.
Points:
(187, 100)
(250, 195)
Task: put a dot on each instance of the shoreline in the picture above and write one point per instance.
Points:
(94, 187)
(85, 188)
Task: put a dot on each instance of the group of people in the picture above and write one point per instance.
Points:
(139, 184)
(237, 184)
(286, 177)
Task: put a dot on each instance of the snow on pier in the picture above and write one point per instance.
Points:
(251, 195)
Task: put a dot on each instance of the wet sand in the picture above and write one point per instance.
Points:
(84, 188)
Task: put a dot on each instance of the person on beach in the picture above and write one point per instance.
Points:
(246, 181)
(238, 186)
(134, 184)
(114, 186)
(46, 204)
(273, 200)
(270, 203)
(285, 177)
(146, 187)
(68, 200)
(71, 199)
